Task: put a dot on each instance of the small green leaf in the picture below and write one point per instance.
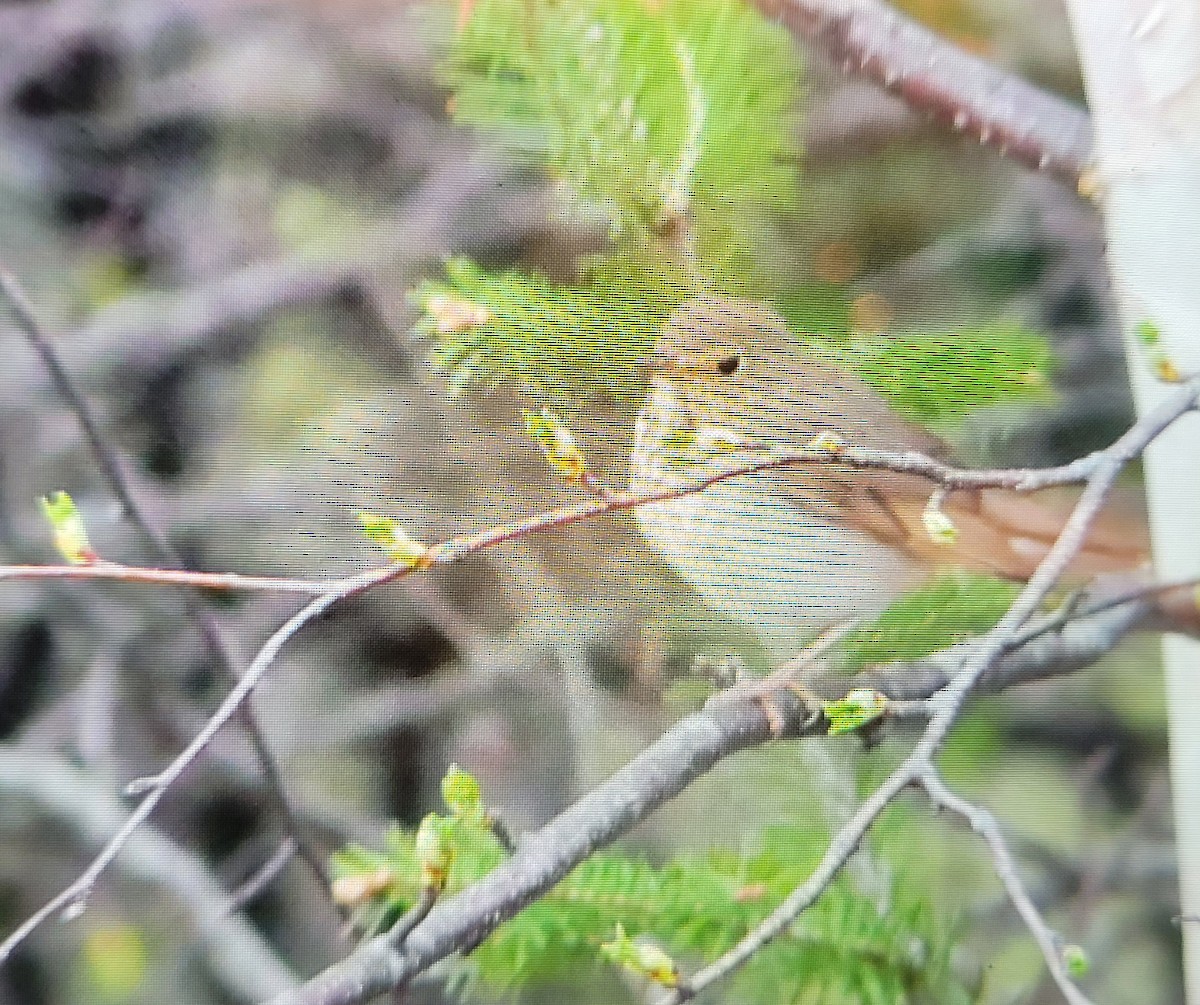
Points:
(390, 535)
(642, 958)
(557, 443)
(461, 793)
(1076, 960)
(70, 535)
(1148, 333)
(856, 709)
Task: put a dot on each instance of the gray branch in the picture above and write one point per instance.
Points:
(869, 38)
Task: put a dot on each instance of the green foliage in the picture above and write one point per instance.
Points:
(937, 378)
(70, 534)
(846, 948)
(562, 341)
(675, 121)
(952, 606)
(646, 111)
(858, 708)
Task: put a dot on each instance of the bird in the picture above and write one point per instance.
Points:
(792, 550)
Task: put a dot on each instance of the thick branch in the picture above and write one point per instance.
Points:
(951, 86)
(947, 704)
(660, 772)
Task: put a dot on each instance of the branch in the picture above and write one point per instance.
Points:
(940, 474)
(947, 84)
(977, 659)
(153, 789)
(687, 750)
(1103, 467)
(118, 482)
(983, 823)
(237, 954)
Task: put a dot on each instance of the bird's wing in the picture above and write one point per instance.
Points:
(998, 531)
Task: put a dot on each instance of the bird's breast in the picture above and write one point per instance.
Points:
(784, 571)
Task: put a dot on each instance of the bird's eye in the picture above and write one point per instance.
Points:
(728, 366)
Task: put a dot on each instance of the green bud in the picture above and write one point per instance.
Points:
(70, 535)
(461, 793)
(388, 533)
(557, 443)
(641, 957)
(855, 710)
(1076, 960)
(435, 851)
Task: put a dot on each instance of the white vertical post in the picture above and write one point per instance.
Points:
(1141, 64)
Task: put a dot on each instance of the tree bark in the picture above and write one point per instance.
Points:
(1141, 62)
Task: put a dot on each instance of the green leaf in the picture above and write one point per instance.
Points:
(937, 379)
(70, 535)
(949, 608)
(859, 707)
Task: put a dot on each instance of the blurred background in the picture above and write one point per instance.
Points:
(220, 209)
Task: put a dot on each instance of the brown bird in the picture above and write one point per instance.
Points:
(793, 549)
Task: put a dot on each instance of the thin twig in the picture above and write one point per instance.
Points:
(983, 823)
(253, 887)
(70, 900)
(413, 916)
(240, 960)
(119, 484)
(452, 549)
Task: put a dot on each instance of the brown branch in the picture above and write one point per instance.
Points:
(949, 85)
(608, 500)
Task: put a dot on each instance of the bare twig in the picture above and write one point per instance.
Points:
(74, 896)
(983, 823)
(938, 79)
(118, 482)
(947, 476)
(252, 888)
(413, 916)
(236, 954)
